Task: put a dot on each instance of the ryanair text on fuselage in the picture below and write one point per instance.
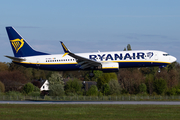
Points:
(120, 56)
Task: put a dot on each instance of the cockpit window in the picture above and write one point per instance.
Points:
(165, 54)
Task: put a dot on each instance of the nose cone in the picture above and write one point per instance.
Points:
(172, 59)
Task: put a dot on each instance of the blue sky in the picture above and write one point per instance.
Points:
(92, 25)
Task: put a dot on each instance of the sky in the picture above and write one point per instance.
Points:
(92, 25)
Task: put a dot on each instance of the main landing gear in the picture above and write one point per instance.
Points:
(159, 70)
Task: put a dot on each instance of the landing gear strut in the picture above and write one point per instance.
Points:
(159, 70)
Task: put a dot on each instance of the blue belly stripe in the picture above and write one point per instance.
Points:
(69, 67)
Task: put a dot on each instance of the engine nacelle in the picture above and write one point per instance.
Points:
(110, 67)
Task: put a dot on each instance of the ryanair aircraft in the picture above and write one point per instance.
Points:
(25, 55)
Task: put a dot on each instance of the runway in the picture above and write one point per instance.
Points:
(96, 102)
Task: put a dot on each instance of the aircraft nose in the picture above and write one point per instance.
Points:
(173, 59)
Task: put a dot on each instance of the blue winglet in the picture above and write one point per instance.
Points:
(65, 49)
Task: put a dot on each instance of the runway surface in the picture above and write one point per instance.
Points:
(96, 102)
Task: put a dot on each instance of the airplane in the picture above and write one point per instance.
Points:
(25, 55)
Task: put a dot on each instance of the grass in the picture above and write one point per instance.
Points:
(95, 112)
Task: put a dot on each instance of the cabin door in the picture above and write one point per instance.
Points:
(156, 56)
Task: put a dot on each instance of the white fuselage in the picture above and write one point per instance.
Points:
(139, 58)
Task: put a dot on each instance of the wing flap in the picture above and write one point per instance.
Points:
(84, 62)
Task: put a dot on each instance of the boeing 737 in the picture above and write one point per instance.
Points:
(25, 55)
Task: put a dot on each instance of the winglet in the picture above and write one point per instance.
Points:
(65, 49)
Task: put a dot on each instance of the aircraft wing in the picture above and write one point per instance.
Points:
(15, 58)
(82, 61)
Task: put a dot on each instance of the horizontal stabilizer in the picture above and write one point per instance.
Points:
(15, 58)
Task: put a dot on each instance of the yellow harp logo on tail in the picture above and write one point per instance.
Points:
(17, 44)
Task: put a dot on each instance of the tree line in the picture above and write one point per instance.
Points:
(144, 81)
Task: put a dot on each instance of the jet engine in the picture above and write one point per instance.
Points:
(110, 67)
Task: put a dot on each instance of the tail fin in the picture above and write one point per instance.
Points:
(20, 47)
